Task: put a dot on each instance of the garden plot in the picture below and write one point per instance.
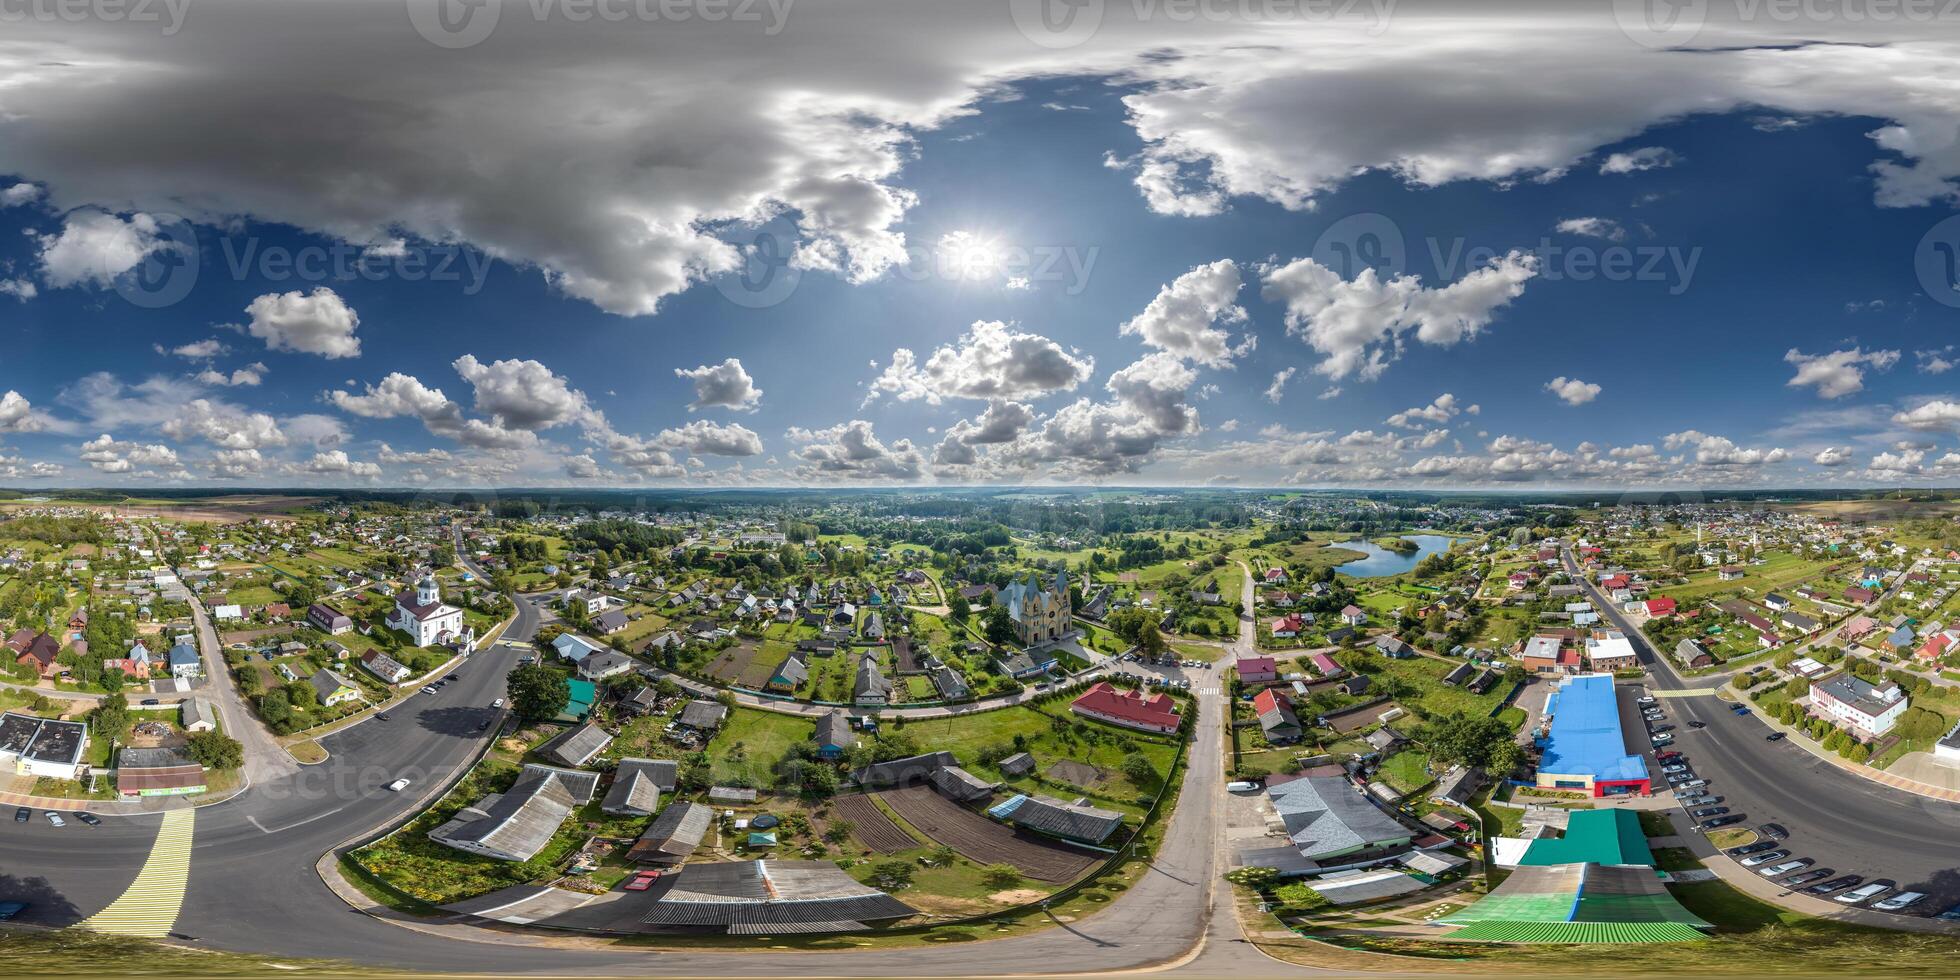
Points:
(983, 841)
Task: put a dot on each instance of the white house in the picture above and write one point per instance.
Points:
(1865, 710)
(574, 647)
(423, 616)
(31, 746)
(227, 612)
(600, 666)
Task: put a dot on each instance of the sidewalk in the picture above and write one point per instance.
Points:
(1880, 776)
(117, 807)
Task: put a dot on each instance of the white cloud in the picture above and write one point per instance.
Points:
(1838, 373)
(724, 385)
(1277, 390)
(1935, 414)
(1605, 228)
(852, 451)
(1634, 161)
(1719, 451)
(1437, 412)
(402, 395)
(706, 438)
(319, 322)
(251, 375)
(1572, 391)
(223, 425)
(20, 289)
(1832, 456)
(1937, 361)
(106, 455)
(17, 414)
(1183, 319)
(990, 361)
(523, 394)
(337, 463)
(1360, 324)
(197, 350)
(95, 247)
(19, 194)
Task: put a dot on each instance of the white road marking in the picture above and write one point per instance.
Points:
(297, 823)
(149, 906)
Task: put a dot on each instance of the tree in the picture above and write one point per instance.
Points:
(999, 628)
(537, 692)
(1000, 876)
(216, 750)
(110, 718)
(1471, 741)
(959, 609)
(1139, 771)
(892, 875)
(1506, 758)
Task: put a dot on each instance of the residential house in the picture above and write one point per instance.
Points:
(789, 676)
(871, 688)
(577, 745)
(600, 666)
(385, 667)
(327, 619)
(1257, 670)
(1128, 709)
(834, 736)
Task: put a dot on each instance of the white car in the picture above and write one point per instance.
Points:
(428, 689)
(55, 818)
(1899, 901)
(1858, 895)
(1764, 858)
(398, 785)
(1670, 770)
(1646, 699)
(497, 703)
(1779, 870)
(1241, 786)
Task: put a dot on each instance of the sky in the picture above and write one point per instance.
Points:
(1119, 242)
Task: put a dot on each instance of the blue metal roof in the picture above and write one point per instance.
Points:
(1585, 737)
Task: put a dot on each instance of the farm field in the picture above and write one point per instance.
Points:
(983, 841)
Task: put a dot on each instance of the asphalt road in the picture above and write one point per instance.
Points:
(1844, 823)
(253, 887)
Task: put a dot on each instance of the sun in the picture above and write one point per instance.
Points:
(970, 256)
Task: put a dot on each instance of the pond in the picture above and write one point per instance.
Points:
(1381, 561)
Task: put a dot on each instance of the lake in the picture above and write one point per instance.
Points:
(1381, 561)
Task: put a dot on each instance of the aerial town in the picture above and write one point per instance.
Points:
(1399, 726)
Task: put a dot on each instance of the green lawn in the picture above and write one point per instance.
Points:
(1102, 746)
(750, 744)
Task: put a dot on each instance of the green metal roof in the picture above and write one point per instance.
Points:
(1594, 837)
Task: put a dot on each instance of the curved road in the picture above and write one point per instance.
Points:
(1845, 823)
(252, 884)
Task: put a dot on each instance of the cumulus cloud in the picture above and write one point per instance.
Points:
(1605, 228)
(250, 376)
(1634, 161)
(224, 425)
(16, 195)
(337, 463)
(17, 414)
(95, 247)
(1935, 414)
(1838, 373)
(1437, 412)
(196, 350)
(706, 438)
(319, 322)
(106, 455)
(852, 451)
(400, 395)
(1183, 319)
(523, 394)
(20, 289)
(1832, 456)
(1936, 361)
(724, 385)
(990, 361)
(1360, 324)
(1720, 451)
(1572, 391)
(1277, 390)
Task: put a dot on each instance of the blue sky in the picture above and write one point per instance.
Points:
(1129, 262)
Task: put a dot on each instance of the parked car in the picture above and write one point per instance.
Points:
(1784, 868)
(55, 818)
(1677, 767)
(1646, 699)
(1669, 756)
(1719, 822)
(1764, 857)
(497, 703)
(1772, 831)
(1661, 729)
(428, 689)
(89, 818)
(398, 785)
(1798, 881)
(1863, 893)
(1709, 811)
(1899, 901)
(1662, 739)
(642, 880)
(1756, 848)
(1241, 786)
(151, 701)
(22, 814)
(1775, 736)
(451, 677)
(1838, 883)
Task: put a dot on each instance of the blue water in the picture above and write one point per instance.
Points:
(1381, 561)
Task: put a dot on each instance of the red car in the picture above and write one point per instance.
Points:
(642, 880)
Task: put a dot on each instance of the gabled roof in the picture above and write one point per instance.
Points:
(834, 728)
(1052, 816)
(1325, 816)
(674, 834)
(575, 746)
(518, 822)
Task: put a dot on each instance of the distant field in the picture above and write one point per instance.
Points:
(217, 510)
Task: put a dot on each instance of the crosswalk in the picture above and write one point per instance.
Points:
(149, 907)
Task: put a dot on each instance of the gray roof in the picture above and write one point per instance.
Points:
(768, 893)
(674, 834)
(898, 772)
(950, 684)
(1325, 815)
(871, 682)
(197, 711)
(1016, 764)
(515, 824)
(1459, 785)
(326, 682)
(958, 784)
(793, 670)
(834, 728)
(575, 746)
(636, 786)
(578, 782)
(702, 713)
(1052, 816)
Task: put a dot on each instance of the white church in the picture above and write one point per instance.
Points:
(423, 616)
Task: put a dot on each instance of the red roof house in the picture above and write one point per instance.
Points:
(1255, 669)
(1287, 625)
(1660, 607)
(1129, 709)
(1270, 699)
